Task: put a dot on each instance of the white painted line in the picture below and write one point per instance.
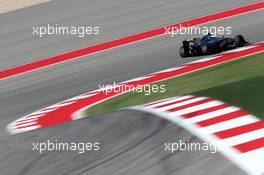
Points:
(205, 59)
(246, 137)
(196, 108)
(61, 104)
(159, 101)
(212, 114)
(239, 49)
(182, 103)
(48, 109)
(26, 120)
(170, 101)
(81, 97)
(229, 124)
(169, 70)
(18, 125)
(138, 79)
(19, 130)
(255, 160)
(30, 117)
(43, 111)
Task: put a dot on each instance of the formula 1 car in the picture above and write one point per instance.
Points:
(209, 45)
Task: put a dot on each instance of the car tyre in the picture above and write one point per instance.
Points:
(239, 41)
(182, 52)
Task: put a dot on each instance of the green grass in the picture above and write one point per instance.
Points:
(240, 83)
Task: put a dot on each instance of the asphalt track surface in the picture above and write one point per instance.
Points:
(132, 145)
(26, 93)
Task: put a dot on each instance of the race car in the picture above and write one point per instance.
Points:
(209, 45)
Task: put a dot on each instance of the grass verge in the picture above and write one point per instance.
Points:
(239, 83)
